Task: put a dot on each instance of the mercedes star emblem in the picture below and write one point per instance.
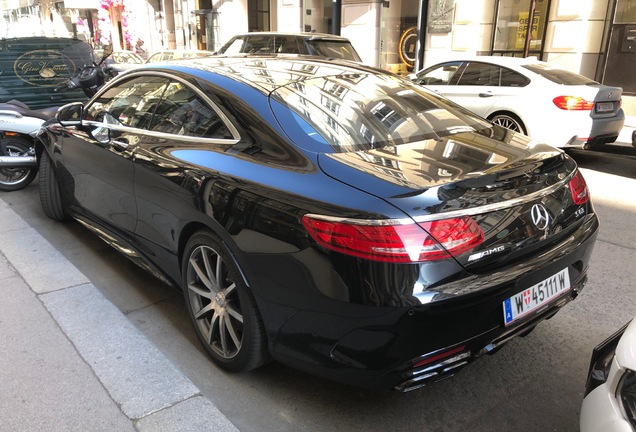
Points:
(540, 216)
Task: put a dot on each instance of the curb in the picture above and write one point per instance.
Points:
(146, 387)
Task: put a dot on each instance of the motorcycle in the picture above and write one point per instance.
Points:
(19, 123)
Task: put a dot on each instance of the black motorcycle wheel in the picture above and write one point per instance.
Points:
(12, 179)
(221, 307)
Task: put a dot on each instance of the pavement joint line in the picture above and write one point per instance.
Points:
(145, 385)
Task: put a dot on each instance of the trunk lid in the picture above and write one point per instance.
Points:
(518, 193)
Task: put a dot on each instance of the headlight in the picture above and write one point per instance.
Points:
(626, 393)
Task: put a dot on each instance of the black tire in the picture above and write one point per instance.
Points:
(221, 307)
(508, 121)
(50, 196)
(12, 179)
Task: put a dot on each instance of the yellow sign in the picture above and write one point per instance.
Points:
(522, 29)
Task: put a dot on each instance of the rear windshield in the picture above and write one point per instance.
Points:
(352, 112)
(559, 76)
(333, 49)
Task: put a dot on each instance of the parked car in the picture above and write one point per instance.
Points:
(318, 44)
(610, 392)
(335, 217)
(167, 55)
(122, 60)
(533, 97)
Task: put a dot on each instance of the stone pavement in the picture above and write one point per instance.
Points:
(71, 361)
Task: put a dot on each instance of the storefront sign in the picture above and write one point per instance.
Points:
(440, 16)
(46, 68)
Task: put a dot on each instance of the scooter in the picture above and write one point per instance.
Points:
(19, 123)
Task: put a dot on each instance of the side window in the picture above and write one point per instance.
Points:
(182, 112)
(441, 75)
(287, 45)
(480, 74)
(259, 44)
(132, 102)
(510, 78)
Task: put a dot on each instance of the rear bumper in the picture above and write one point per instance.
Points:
(602, 130)
(404, 348)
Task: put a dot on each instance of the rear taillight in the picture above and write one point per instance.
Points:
(578, 189)
(393, 242)
(573, 103)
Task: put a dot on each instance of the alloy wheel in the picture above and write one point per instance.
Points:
(215, 302)
(508, 122)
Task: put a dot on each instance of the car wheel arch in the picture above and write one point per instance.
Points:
(513, 115)
(192, 228)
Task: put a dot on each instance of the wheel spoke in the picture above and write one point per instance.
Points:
(222, 336)
(201, 292)
(200, 273)
(232, 332)
(227, 291)
(214, 323)
(234, 313)
(204, 310)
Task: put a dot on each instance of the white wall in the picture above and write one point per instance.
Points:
(360, 23)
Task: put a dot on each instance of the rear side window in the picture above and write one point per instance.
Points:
(510, 78)
(333, 49)
(480, 74)
(559, 76)
(287, 45)
(182, 112)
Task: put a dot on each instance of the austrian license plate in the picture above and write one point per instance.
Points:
(533, 298)
(604, 107)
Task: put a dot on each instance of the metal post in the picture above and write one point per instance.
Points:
(526, 47)
(336, 14)
(422, 23)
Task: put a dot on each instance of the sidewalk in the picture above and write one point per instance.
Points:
(71, 361)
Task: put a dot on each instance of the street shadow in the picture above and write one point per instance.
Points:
(611, 158)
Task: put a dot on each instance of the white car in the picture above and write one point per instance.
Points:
(526, 95)
(610, 393)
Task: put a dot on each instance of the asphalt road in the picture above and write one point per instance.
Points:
(533, 384)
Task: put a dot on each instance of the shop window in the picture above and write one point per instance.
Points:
(513, 21)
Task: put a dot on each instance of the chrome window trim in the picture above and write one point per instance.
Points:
(142, 73)
(163, 135)
(455, 213)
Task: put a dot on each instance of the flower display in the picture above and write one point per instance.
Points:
(125, 10)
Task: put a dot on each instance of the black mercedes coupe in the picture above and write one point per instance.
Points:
(330, 216)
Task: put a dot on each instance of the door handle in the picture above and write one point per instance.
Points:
(486, 94)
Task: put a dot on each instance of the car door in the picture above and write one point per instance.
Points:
(187, 128)
(476, 88)
(98, 155)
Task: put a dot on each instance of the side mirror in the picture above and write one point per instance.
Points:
(70, 114)
(108, 50)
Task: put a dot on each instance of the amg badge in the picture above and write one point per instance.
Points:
(485, 253)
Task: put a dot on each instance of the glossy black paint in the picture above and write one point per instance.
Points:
(353, 320)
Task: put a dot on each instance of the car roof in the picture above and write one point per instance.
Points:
(304, 35)
(515, 63)
(268, 72)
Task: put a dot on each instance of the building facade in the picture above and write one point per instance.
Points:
(596, 38)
